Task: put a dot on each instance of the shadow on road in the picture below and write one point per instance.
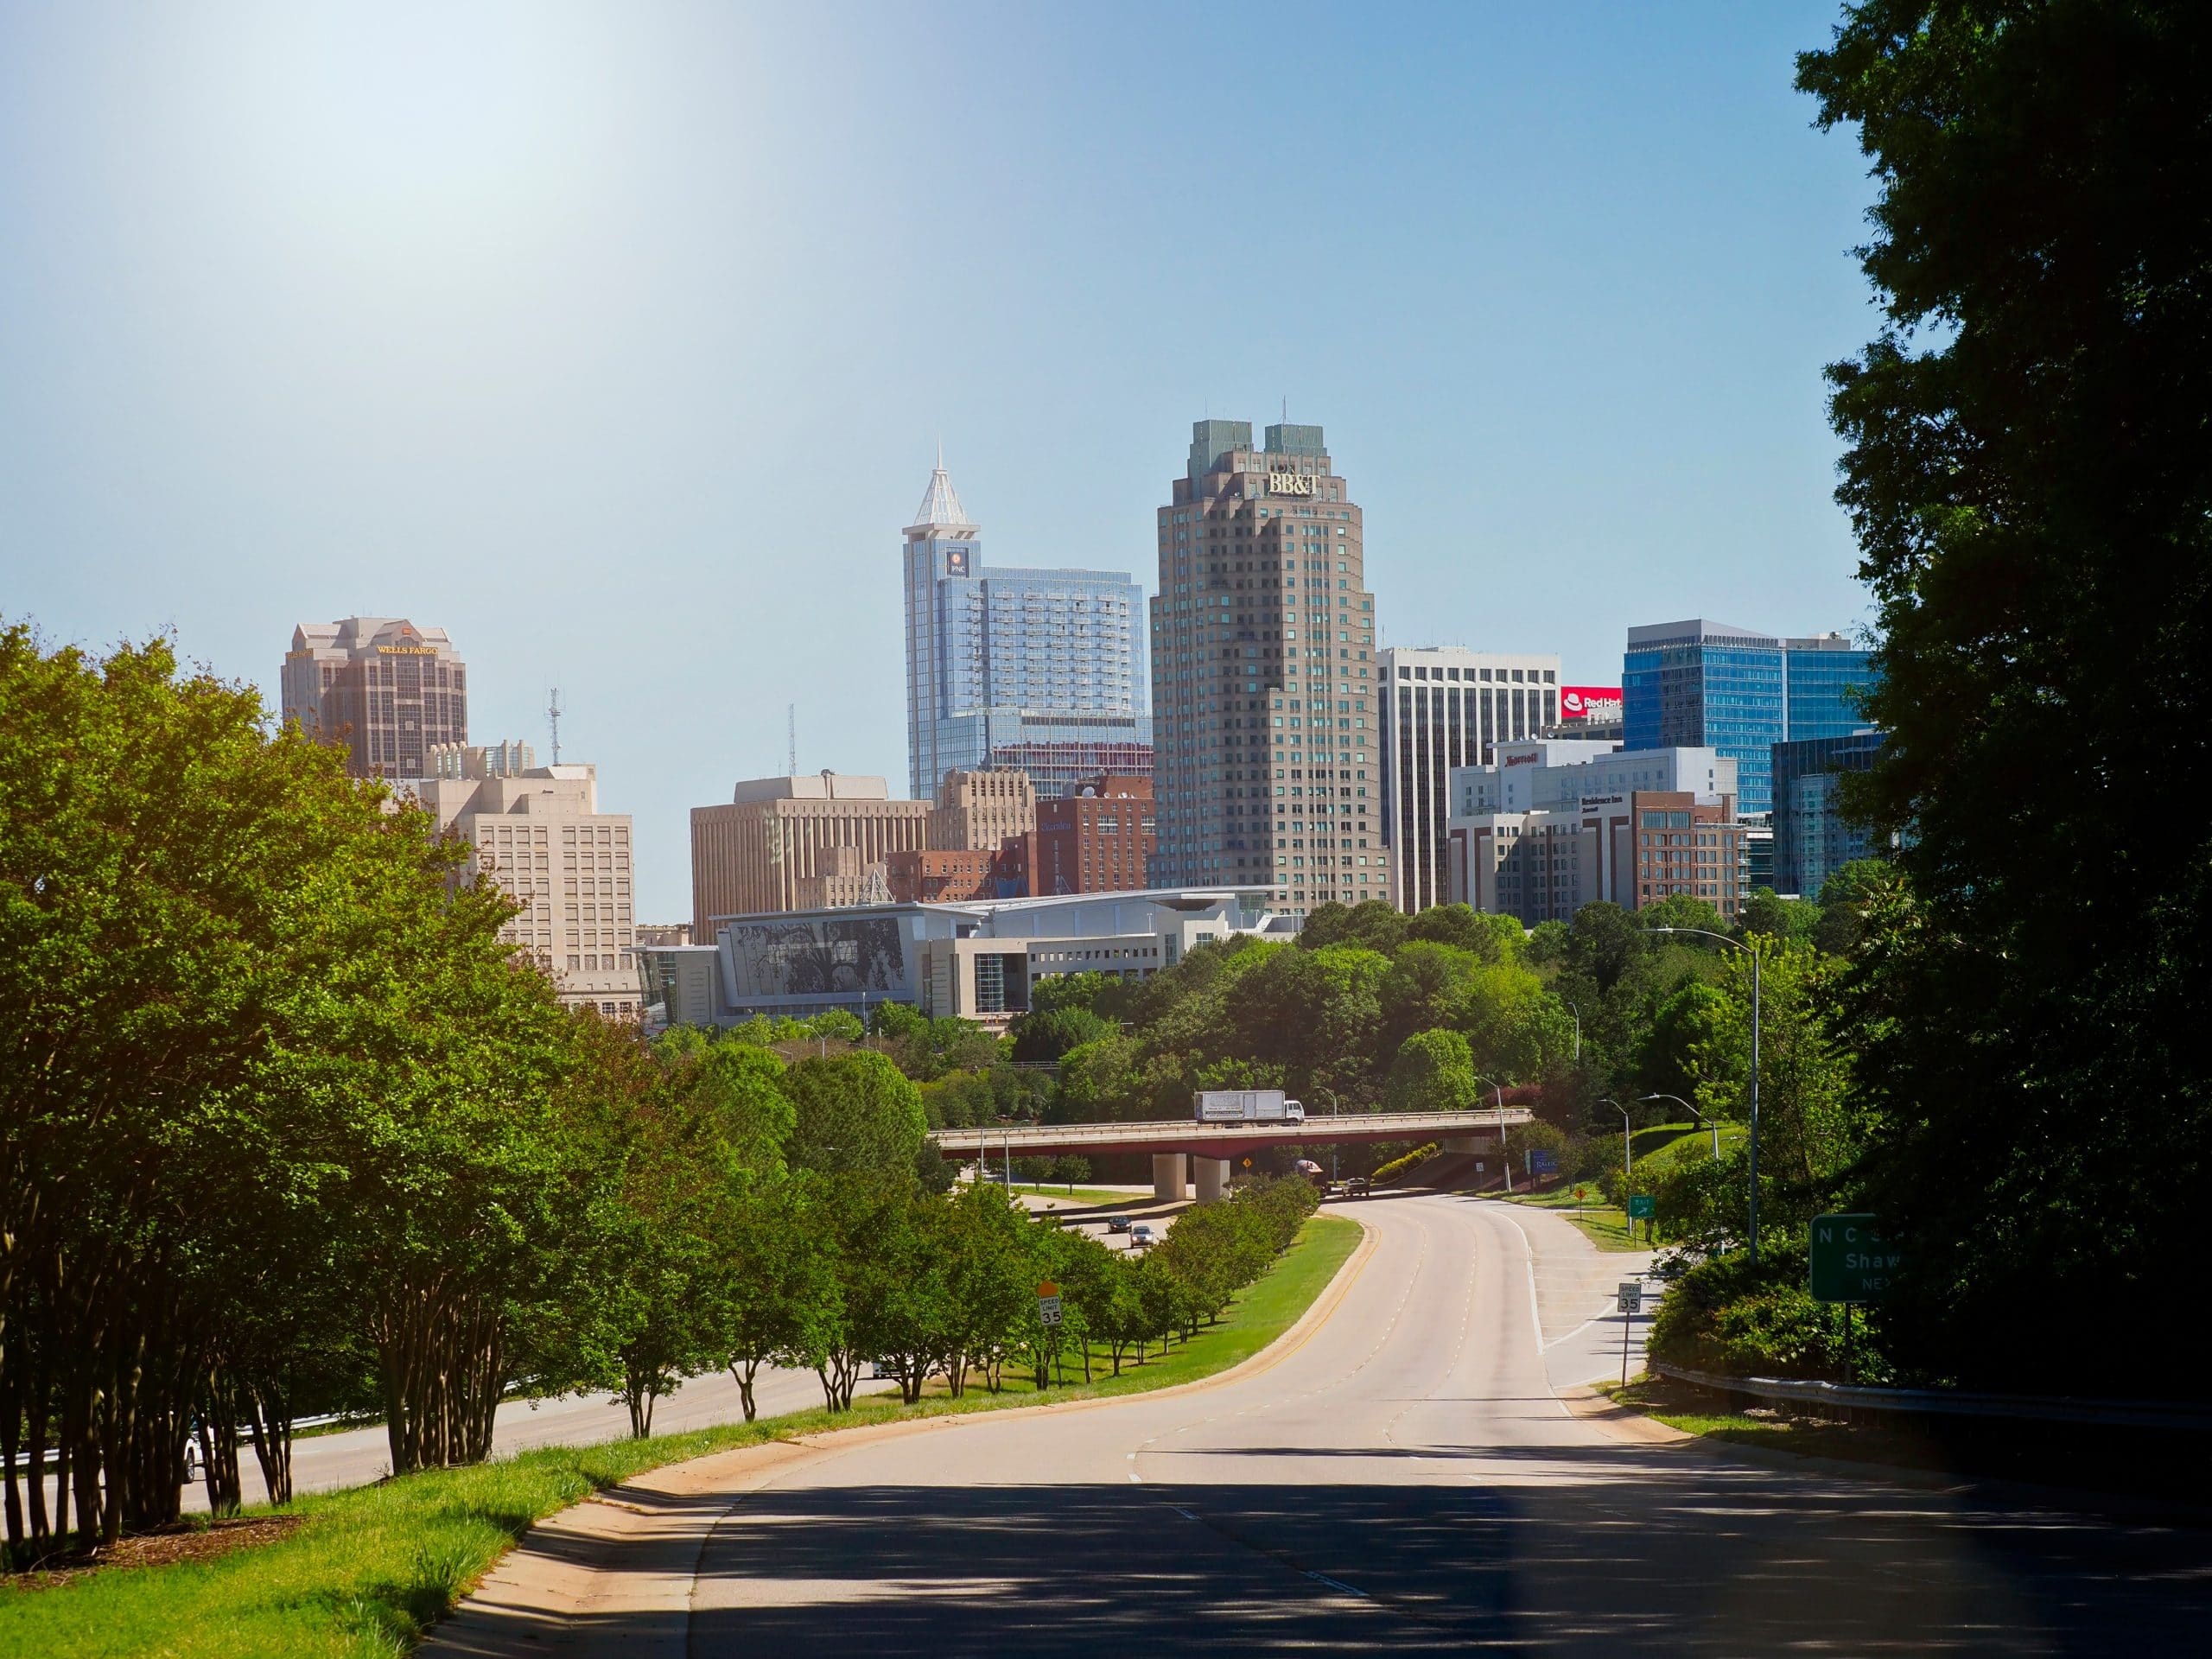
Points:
(1618, 1549)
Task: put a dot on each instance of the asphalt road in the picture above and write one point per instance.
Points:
(355, 1456)
(1406, 1481)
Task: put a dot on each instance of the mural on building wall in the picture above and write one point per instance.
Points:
(814, 958)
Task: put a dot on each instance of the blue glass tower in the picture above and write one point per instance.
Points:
(1739, 691)
(1040, 670)
(1812, 841)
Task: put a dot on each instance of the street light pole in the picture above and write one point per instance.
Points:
(1708, 1122)
(1753, 954)
(1335, 1111)
(1627, 1179)
(1577, 1013)
(1503, 1156)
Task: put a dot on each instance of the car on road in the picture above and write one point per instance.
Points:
(1140, 1237)
(1359, 1187)
(1117, 1223)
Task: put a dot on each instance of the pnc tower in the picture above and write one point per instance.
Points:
(1041, 672)
(1264, 689)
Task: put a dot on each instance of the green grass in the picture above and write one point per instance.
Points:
(1603, 1223)
(1695, 1411)
(370, 1569)
(1083, 1198)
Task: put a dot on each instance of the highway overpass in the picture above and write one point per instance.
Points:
(1212, 1147)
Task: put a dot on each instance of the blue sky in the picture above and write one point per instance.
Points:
(617, 340)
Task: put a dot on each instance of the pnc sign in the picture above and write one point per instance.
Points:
(1289, 484)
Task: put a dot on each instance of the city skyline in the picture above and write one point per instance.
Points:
(562, 340)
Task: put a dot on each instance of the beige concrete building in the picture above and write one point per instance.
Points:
(981, 810)
(383, 690)
(539, 834)
(797, 843)
(1265, 688)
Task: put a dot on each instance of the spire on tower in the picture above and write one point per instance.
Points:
(941, 508)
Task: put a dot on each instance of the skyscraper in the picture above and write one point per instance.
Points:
(385, 690)
(1739, 691)
(1264, 678)
(1042, 670)
(1442, 707)
(1812, 838)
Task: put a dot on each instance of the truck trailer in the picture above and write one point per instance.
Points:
(1248, 1106)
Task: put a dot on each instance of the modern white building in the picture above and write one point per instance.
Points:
(1547, 772)
(1556, 824)
(1444, 707)
(975, 960)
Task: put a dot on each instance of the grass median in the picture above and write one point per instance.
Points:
(365, 1571)
(1604, 1224)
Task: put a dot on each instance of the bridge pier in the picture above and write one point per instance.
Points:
(1211, 1176)
(1167, 1176)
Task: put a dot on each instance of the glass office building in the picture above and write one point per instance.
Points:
(1812, 841)
(1038, 669)
(1701, 683)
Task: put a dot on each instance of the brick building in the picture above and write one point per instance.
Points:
(1099, 840)
(953, 874)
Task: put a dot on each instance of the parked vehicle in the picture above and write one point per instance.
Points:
(1247, 1106)
(1117, 1223)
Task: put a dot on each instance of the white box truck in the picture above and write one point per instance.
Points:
(1248, 1106)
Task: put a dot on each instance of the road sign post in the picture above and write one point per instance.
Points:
(1048, 1302)
(1643, 1207)
(1851, 1259)
(1630, 1296)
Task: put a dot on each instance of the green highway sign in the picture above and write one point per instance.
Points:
(1641, 1206)
(1851, 1262)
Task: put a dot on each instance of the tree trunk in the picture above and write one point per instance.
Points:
(268, 1416)
(745, 1371)
(11, 1425)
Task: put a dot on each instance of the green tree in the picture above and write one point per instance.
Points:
(2027, 475)
(1491, 938)
(1434, 1071)
(1371, 925)
(854, 1112)
(1050, 1034)
(1768, 913)
(774, 1281)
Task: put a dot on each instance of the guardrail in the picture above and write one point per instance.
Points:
(1945, 1402)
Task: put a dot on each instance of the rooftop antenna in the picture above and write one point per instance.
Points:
(791, 735)
(553, 716)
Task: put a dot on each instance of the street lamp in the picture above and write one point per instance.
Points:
(1577, 1013)
(1707, 933)
(1708, 1122)
(1334, 1111)
(1503, 1156)
(1627, 1147)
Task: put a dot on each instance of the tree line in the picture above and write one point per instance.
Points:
(286, 1127)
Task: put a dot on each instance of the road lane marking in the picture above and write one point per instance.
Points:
(1337, 1584)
